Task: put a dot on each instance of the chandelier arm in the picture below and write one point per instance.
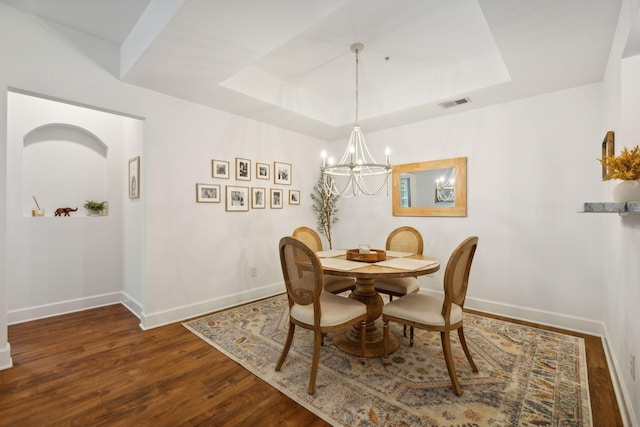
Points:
(364, 190)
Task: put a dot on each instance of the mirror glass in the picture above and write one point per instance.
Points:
(431, 188)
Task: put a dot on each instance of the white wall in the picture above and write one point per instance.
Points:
(531, 163)
(5, 347)
(622, 270)
(133, 220)
(198, 255)
(621, 249)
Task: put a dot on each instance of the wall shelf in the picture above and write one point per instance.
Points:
(624, 208)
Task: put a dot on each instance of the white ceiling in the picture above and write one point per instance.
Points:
(289, 63)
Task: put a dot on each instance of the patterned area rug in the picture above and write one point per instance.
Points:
(528, 377)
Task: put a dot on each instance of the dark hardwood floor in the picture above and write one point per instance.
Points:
(98, 368)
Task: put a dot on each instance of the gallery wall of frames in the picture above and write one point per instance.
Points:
(242, 195)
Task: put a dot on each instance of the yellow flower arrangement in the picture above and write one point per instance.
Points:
(625, 166)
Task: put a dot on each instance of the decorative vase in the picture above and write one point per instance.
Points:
(627, 191)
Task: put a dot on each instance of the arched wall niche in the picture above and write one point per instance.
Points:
(64, 154)
(63, 165)
(66, 132)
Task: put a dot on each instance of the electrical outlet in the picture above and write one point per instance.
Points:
(632, 366)
(254, 271)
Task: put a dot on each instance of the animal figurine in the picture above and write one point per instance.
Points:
(64, 211)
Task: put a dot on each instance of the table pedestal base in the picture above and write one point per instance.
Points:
(349, 339)
(349, 342)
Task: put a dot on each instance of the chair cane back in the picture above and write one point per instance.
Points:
(405, 239)
(402, 239)
(333, 284)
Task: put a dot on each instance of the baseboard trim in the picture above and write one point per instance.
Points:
(147, 320)
(547, 318)
(63, 307)
(161, 318)
(132, 305)
(154, 320)
(623, 397)
(5, 357)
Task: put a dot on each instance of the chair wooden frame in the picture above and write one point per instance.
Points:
(309, 237)
(333, 284)
(456, 280)
(298, 259)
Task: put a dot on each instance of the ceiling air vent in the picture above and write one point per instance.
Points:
(454, 103)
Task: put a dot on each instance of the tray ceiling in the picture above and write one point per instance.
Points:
(288, 62)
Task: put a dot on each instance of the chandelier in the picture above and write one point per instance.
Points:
(357, 173)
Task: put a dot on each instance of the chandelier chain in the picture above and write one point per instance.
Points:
(357, 86)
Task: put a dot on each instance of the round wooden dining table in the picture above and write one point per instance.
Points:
(366, 276)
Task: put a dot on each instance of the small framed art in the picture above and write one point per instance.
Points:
(237, 199)
(207, 193)
(294, 197)
(220, 169)
(276, 198)
(258, 198)
(282, 173)
(243, 169)
(262, 171)
(134, 178)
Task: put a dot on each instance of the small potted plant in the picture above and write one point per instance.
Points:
(625, 167)
(95, 208)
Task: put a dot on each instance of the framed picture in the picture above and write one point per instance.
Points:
(276, 198)
(243, 169)
(207, 193)
(608, 150)
(134, 178)
(282, 173)
(220, 169)
(237, 199)
(294, 197)
(262, 171)
(258, 198)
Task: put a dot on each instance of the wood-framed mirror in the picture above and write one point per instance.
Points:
(431, 188)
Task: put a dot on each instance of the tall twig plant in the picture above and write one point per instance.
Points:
(324, 206)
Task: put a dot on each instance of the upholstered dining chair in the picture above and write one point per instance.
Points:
(333, 284)
(442, 313)
(402, 239)
(310, 307)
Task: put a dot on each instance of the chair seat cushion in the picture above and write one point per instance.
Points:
(421, 308)
(398, 285)
(335, 284)
(336, 310)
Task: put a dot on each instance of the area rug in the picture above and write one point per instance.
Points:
(527, 376)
